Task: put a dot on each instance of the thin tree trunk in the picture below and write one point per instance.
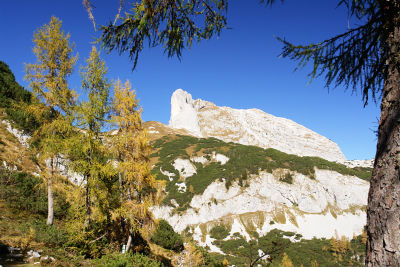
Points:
(87, 176)
(383, 213)
(129, 243)
(87, 203)
(121, 198)
(50, 201)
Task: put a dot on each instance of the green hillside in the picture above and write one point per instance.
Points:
(243, 161)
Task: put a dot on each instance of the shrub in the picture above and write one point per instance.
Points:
(166, 237)
(219, 232)
(26, 192)
(13, 97)
(23, 191)
(50, 235)
(126, 260)
(287, 178)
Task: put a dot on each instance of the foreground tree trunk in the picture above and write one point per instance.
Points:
(50, 201)
(383, 213)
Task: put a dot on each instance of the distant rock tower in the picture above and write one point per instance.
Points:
(184, 113)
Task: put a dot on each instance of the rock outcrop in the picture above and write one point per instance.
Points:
(329, 205)
(249, 127)
(184, 113)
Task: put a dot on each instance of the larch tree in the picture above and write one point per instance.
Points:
(48, 80)
(368, 57)
(139, 190)
(89, 155)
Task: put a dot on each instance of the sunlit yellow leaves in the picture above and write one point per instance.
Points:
(139, 189)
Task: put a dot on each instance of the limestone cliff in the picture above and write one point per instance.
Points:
(249, 127)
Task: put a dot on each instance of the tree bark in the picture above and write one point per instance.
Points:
(87, 176)
(87, 203)
(129, 243)
(50, 201)
(383, 213)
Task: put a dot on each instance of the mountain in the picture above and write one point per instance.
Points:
(249, 127)
(238, 198)
(252, 172)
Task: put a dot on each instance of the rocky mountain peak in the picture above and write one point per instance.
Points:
(249, 127)
(184, 113)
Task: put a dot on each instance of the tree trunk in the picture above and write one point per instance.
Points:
(129, 243)
(383, 213)
(87, 203)
(87, 176)
(50, 201)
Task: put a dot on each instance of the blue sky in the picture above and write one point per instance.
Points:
(239, 69)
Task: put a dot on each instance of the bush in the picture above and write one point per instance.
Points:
(287, 178)
(166, 237)
(50, 235)
(219, 232)
(13, 97)
(22, 119)
(126, 260)
(26, 192)
(23, 191)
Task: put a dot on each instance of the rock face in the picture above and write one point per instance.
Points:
(249, 127)
(184, 113)
(331, 204)
(325, 205)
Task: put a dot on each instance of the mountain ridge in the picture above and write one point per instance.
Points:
(249, 127)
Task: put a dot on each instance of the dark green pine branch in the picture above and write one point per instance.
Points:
(353, 59)
(174, 24)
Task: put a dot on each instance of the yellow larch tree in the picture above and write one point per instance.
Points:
(54, 100)
(138, 188)
(88, 152)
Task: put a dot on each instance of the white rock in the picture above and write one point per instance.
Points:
(61, 165)
(220, 158)
(33, 254)
(237, 227)
(181, 187)
(21, 136)
(367, 163)
(184, 167)
(114, 132)
(184, 113)
(197, 235)
(200, 159)
(169, 174)
(306, 204)
(249, 127)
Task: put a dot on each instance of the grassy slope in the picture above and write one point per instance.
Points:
(243, 161)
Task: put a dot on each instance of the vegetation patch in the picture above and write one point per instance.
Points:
(286, 178)
(243, 161)
(13, 98)
(277, 243)
(220, 232)
(166, 237)
(26, 192)
(127, 260)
